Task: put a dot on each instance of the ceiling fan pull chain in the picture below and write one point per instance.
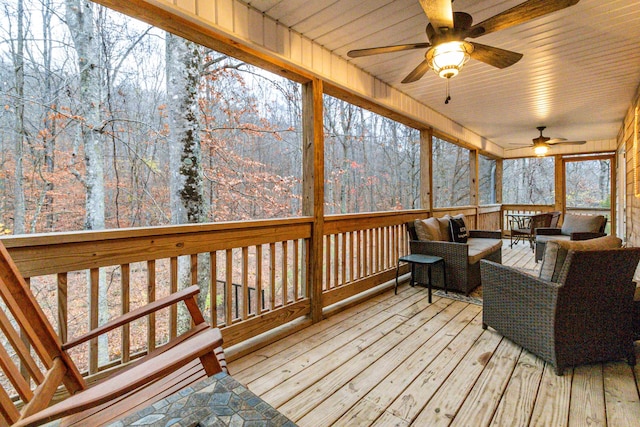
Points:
(448, 98)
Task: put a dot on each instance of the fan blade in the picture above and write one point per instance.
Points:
(357, 53)
(417, 72)
(439, 13)
(556, 140)
(497, 57)
(567, 142)
(519, 14)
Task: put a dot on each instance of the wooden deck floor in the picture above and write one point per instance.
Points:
(396, 360)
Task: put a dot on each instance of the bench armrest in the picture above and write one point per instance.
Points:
(183, 295)
(548, 231)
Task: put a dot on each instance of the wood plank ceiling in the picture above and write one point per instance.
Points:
(578, 76)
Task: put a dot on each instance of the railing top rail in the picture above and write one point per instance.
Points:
(384, 214)
(30, 240)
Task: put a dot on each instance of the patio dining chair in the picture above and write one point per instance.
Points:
(528, 232)
(30, 344)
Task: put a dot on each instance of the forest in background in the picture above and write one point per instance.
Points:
(108, 123)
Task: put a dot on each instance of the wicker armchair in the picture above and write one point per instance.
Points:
(545, 234)
(585, 317)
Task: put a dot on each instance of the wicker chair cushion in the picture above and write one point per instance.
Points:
(480, 248)
(445, 234)
(581, 224)
(428, 229)
(555, 253)
(458, 229)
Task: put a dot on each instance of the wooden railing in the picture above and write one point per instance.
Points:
(361, 251)
(128, 268)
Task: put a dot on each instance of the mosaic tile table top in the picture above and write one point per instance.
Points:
(216, 401)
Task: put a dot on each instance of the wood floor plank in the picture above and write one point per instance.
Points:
(517, 402)
(356, 314)
(444, 405)
(279, 353)
(552, 402)
(409, 404)
(389, 420)
(306, 382)
(311, 397)
(621, 395)
(349, 336)
(587, 406)
(481, 403)
(385, 370)
(435, 338)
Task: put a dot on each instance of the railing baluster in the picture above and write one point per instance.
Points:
(125, 349)
(336, 263)
(358, 239)
(173, 310)
(285, 261)
(296, 269)
(272, 273)
(63, 326)
(327, 262)
(151, 297)
(229, 287)
(245, 282)
(365, 252)
(213, 288)
(343, 258)
(194, 269)
(259, 297)
(94, 283)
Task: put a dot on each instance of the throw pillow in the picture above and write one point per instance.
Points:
(445, 234)
(556, 251)
(459, 231)
(433, 228)
(427, 229)
(581, 223)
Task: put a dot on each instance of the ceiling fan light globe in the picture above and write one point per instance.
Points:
(447, 59)
(540, 150)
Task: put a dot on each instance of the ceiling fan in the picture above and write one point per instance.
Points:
(447, 49)
(542, 144)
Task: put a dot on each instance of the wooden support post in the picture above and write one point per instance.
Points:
(313, 188)
(474, 180)
(498, 188)
(559, 184)
(499, 174)
(426, 175)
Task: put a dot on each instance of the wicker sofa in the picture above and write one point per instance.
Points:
(578, 311)
(574, 227)
(462, 260)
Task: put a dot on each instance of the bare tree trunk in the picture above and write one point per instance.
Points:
(19, 208)
(80, 19)
(183, 62)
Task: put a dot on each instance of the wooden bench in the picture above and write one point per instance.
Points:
(177, 364)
